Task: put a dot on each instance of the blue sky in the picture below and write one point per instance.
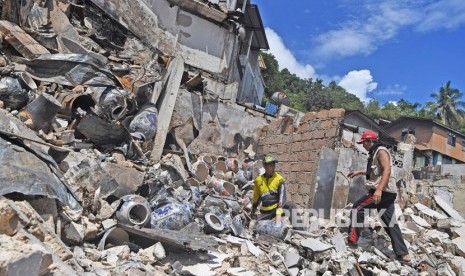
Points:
(382, 49)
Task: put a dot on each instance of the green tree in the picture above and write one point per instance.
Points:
(340, 98)
(446, 105)
(407, 108)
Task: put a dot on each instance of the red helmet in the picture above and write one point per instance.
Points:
(368, 135)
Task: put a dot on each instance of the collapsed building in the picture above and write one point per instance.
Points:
(130, 138)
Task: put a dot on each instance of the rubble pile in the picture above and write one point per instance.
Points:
(82, 193)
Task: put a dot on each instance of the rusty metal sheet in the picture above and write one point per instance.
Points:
(327, 167)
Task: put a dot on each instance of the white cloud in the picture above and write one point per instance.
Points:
(381, 21)
(447, 14)
(392, 90)
(285, 57)
(358, 83)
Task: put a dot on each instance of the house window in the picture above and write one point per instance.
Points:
(405, 132)
(451, 139)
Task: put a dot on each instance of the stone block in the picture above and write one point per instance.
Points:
(308, 117)
(336, 113)
(325, 124)
(322, 114)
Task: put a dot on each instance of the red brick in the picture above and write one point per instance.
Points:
(306, 136)
(322, 114)
(308, 145)
(330, 133)
(302, 128)
(296, 137)
(306, 166)
(294, 166)
(286, 139)
(292, 188)
(318, 134)
(314, 156)
(281, 148)
(336, 122)
(325, 124)
(336, 113)
(289, 129)
(320, 143)
(308, 117)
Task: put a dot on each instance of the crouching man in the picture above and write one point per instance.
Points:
(270, 190)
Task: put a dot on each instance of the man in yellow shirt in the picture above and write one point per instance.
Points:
(269, 190)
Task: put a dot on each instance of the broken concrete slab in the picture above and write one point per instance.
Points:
(420, 221)
(19, 258)
(429, 212)
(460, 244)
(315, 245)
(448, 209)
(291, 259)
(253, 249)
(127, 179)
(339, 243)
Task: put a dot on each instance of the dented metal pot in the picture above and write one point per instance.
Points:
(41, 111)
(111, 102)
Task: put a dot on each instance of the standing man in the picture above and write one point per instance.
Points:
(269, 189)
(382, 192)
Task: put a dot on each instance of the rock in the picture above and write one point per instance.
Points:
(292, 259)
(458, 265)
(74, 233)
(444, 269)
(19, 258)
(197, 270)
(105, 211)
(429, 212)
(315, 245)
(393, 267)
(147, 255)
(460, 244)
(341, 264)
(293, 271)
(448, 209)
(458, 232)
(115, 254)
(339, 243)
(91, 229)
(9, 220)
(108, 223)
(159, 251)
(253, 249)
(239, 271)
(420, 221)
(365, 257)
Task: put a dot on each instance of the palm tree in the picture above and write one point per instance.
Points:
(447, 105)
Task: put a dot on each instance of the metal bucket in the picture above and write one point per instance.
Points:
(41, 111)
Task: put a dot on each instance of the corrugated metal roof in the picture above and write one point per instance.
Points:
(253, 22)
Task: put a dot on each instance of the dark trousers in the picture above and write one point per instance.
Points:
(386, 206)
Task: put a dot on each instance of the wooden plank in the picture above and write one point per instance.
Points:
(21, 41)
(168, 100)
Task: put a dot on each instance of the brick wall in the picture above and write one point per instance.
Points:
(297, 149)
